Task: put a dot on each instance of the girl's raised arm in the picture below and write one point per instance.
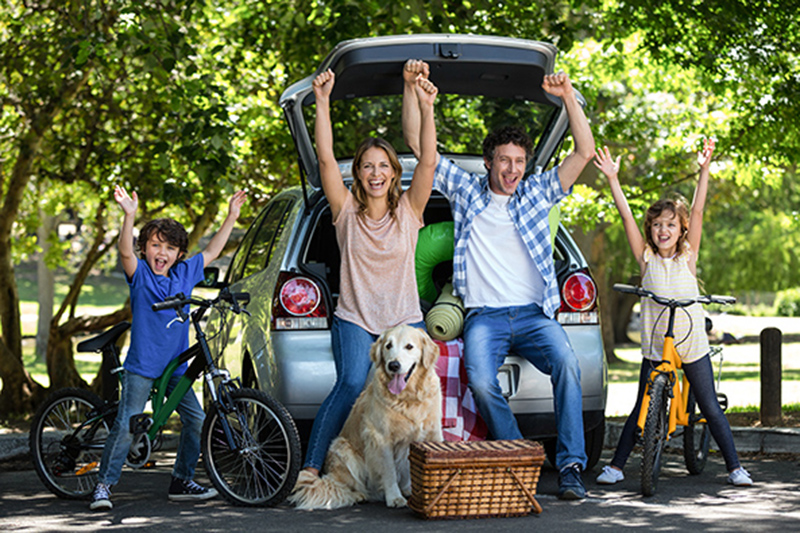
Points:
(610, 168)
(330, 175)
(699, 200)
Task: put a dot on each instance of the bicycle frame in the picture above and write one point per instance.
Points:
(670, 364)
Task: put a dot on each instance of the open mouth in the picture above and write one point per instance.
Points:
(399, 381)
(376, 185)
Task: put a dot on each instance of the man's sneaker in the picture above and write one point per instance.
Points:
(740, 478)
(610, 475)
(181, 490)
(101, 498)
(570, 484)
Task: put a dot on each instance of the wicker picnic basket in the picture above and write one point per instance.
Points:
(474, 479)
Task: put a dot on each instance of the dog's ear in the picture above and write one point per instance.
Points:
(430, 350)
(377, 347)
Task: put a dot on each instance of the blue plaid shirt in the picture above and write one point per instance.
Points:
(529, 208)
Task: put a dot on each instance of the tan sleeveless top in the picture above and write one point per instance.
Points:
(672, 278)
(378, 288)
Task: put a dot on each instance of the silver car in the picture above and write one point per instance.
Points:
(289, 259)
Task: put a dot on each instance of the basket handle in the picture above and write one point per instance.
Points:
(441, 492)
(536, 507)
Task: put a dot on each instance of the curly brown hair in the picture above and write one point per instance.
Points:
(394, 188)
(168, 230)
(678, 208)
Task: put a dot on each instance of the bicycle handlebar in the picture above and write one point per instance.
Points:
(236, 299)
(674, 302)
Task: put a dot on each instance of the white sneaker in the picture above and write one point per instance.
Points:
(610, 475)
(740, 478)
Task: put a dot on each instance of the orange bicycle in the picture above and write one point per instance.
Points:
(668, 401)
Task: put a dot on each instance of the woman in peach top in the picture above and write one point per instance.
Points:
(376, 228)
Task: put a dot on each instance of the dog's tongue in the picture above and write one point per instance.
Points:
(397, 384)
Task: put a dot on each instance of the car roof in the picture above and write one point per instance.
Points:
(460, 64)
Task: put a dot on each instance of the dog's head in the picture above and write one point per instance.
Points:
(401, 351)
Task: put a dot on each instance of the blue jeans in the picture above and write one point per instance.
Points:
(135, 393)
(701, 379)
(351, 345)
(489, 335)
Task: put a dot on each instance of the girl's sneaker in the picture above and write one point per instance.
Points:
(610, 475)
(740, 478)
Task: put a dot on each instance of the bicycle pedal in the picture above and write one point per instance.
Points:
(722, 398)
(140, 423)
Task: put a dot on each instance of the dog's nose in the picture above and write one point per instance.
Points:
(394, 366)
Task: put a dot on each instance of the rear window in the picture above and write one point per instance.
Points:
(462, 122)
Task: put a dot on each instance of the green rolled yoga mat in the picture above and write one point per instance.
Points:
(446, 318)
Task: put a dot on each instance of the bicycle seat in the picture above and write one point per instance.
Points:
(110, 336)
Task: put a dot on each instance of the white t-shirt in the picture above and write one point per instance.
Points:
(500, 272)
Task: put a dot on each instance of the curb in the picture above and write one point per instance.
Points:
(761, 440)
(16, 446)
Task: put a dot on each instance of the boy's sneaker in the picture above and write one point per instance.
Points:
(570, 484)
(610, 475)
(101, 498)
(740, 478)
(181, 490)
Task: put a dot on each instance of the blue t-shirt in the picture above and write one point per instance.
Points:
(153, 346)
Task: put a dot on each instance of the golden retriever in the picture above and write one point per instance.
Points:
(402, 403)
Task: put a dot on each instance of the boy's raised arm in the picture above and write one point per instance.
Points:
(218, 241)
(129, 205)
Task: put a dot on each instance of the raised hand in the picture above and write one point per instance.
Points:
(236, 203)
(557, 84)
(129, 204)
(323, 84)
(606, 164)
(426, 90)
(704, 155)
(413, 69)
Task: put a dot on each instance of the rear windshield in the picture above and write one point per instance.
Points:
(461, 121)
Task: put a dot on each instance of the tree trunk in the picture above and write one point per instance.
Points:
(46, 285)
(17, 391)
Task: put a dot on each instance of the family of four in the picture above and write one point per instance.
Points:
(502, 269)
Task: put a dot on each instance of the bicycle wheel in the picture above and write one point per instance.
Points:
(264, 467)
(655, 434)
(66, 441)
(696, 438)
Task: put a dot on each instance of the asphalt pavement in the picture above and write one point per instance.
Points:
(681, 503)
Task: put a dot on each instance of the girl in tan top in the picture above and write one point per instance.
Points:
(376, 228)
(667, 257)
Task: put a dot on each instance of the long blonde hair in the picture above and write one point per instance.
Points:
(394, 188)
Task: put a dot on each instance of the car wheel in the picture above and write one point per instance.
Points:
(594, 440)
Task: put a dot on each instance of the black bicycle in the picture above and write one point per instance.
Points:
(251, 448)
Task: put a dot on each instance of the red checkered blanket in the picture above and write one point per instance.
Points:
(460, 418)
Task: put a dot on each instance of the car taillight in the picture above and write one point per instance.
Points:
(298, 304)
(578, 300)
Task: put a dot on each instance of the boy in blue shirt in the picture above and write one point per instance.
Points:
(158, 273)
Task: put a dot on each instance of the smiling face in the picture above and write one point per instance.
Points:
(664, 231)
(666, 225)
(375, 172)
(506, 169)
(160, 254)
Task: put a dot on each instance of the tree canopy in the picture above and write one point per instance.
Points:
(178, 100)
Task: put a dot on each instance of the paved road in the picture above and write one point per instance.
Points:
(682, 503)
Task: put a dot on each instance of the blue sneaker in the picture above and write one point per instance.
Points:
(570, 484)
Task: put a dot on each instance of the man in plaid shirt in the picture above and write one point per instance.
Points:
(503, 270)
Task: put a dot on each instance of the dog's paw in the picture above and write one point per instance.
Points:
(396, 501)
